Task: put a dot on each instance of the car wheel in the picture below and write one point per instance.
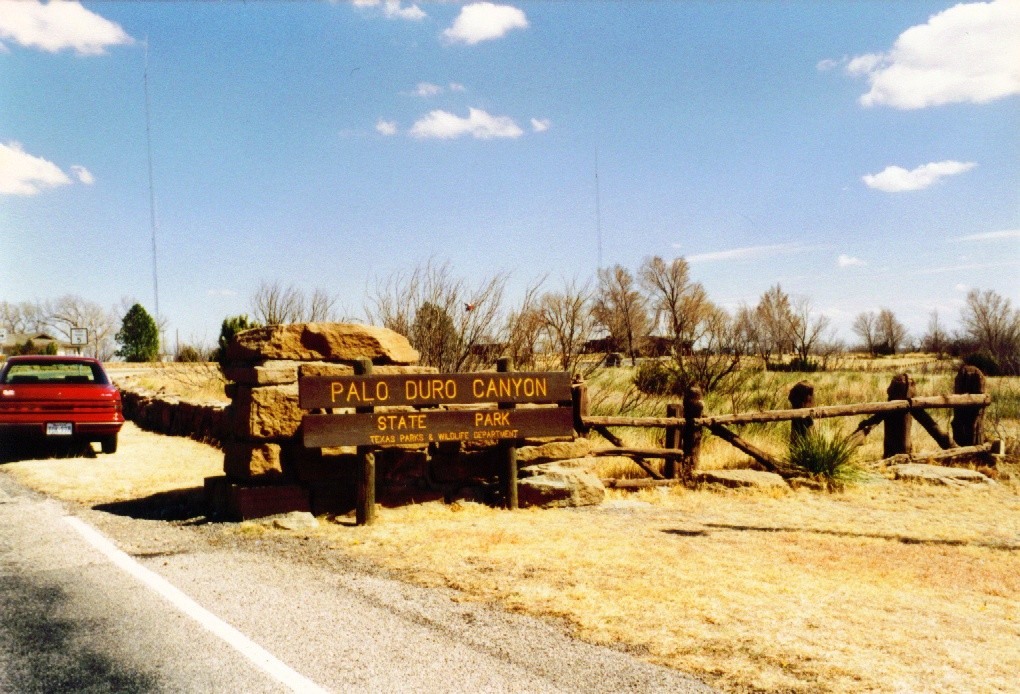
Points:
(109, 443)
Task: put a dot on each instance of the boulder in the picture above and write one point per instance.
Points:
(553, 485)
(736, 479)
(557, 450)
(936, 474)
(337, 342)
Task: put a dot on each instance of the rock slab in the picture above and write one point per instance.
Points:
(741, 478)
(560, 485)
(331, 342)
(936, 474)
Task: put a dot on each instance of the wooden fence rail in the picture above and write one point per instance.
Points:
(684, 423)
(821, 412)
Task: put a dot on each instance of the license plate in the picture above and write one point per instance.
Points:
(59, 429)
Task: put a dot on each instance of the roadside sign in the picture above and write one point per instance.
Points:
(79, 336)
(434, 426)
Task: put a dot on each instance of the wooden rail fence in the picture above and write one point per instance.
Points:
(684, 424)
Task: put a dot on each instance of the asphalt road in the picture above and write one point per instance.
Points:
(179, 609)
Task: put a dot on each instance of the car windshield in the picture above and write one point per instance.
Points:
(54, 372)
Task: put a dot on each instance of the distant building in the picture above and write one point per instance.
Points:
(10, 343)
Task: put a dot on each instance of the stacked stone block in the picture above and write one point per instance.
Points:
(264, 447)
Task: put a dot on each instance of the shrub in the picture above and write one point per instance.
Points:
(187, 353)
(988, 364)
(655, 378)
(829, 460)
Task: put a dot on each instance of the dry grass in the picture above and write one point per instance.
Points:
(886, 587)
(145, 464)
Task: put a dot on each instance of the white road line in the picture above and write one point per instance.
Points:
(259, 656)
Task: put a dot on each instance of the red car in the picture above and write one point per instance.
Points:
(58, 399)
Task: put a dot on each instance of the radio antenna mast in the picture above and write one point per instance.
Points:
(598, 209)
(152, 187)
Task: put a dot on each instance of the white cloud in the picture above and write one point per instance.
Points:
(83, 175)
(393, 9)
(896, 179)
(968, 53)
(427, 89)
(480, 125)
(58, 25)
(828, 64)
(848, 261)
(749, 252)
(989, 236)
(484, 21)
(386, 127)
(24, 174)
(540, 125)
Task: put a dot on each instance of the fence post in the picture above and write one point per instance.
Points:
(898, 424)
(801, 395)
(694, 407)
(505, 365)
(673, 439)
(365, 509)
(579, 400)
(968, 422)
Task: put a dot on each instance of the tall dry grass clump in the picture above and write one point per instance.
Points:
(827, 459)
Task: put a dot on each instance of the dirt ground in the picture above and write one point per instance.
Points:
(885, 587)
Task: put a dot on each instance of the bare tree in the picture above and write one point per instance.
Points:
(677, 303)
(890, 332)
(70, 311)
(567, 322)
(323, 307)
(523, 328)
(771, 325)
(620, 308)
(706, 348)
(274, 304)
(864, 326)
(990, 320)
(808, 330)
(23, 317)
(475, 312)
(936, 339)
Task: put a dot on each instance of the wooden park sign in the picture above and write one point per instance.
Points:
(424, 426)
(416, 418)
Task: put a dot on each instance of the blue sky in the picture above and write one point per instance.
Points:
(863, 155)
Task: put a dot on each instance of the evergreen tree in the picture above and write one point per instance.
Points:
(138, 336)
(230, 327)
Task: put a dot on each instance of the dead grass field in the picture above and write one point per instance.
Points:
(886, 587)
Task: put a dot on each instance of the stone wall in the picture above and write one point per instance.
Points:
(173, 416)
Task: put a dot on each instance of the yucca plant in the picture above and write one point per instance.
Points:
(830, 460)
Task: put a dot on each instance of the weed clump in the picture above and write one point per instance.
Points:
(829, 460)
